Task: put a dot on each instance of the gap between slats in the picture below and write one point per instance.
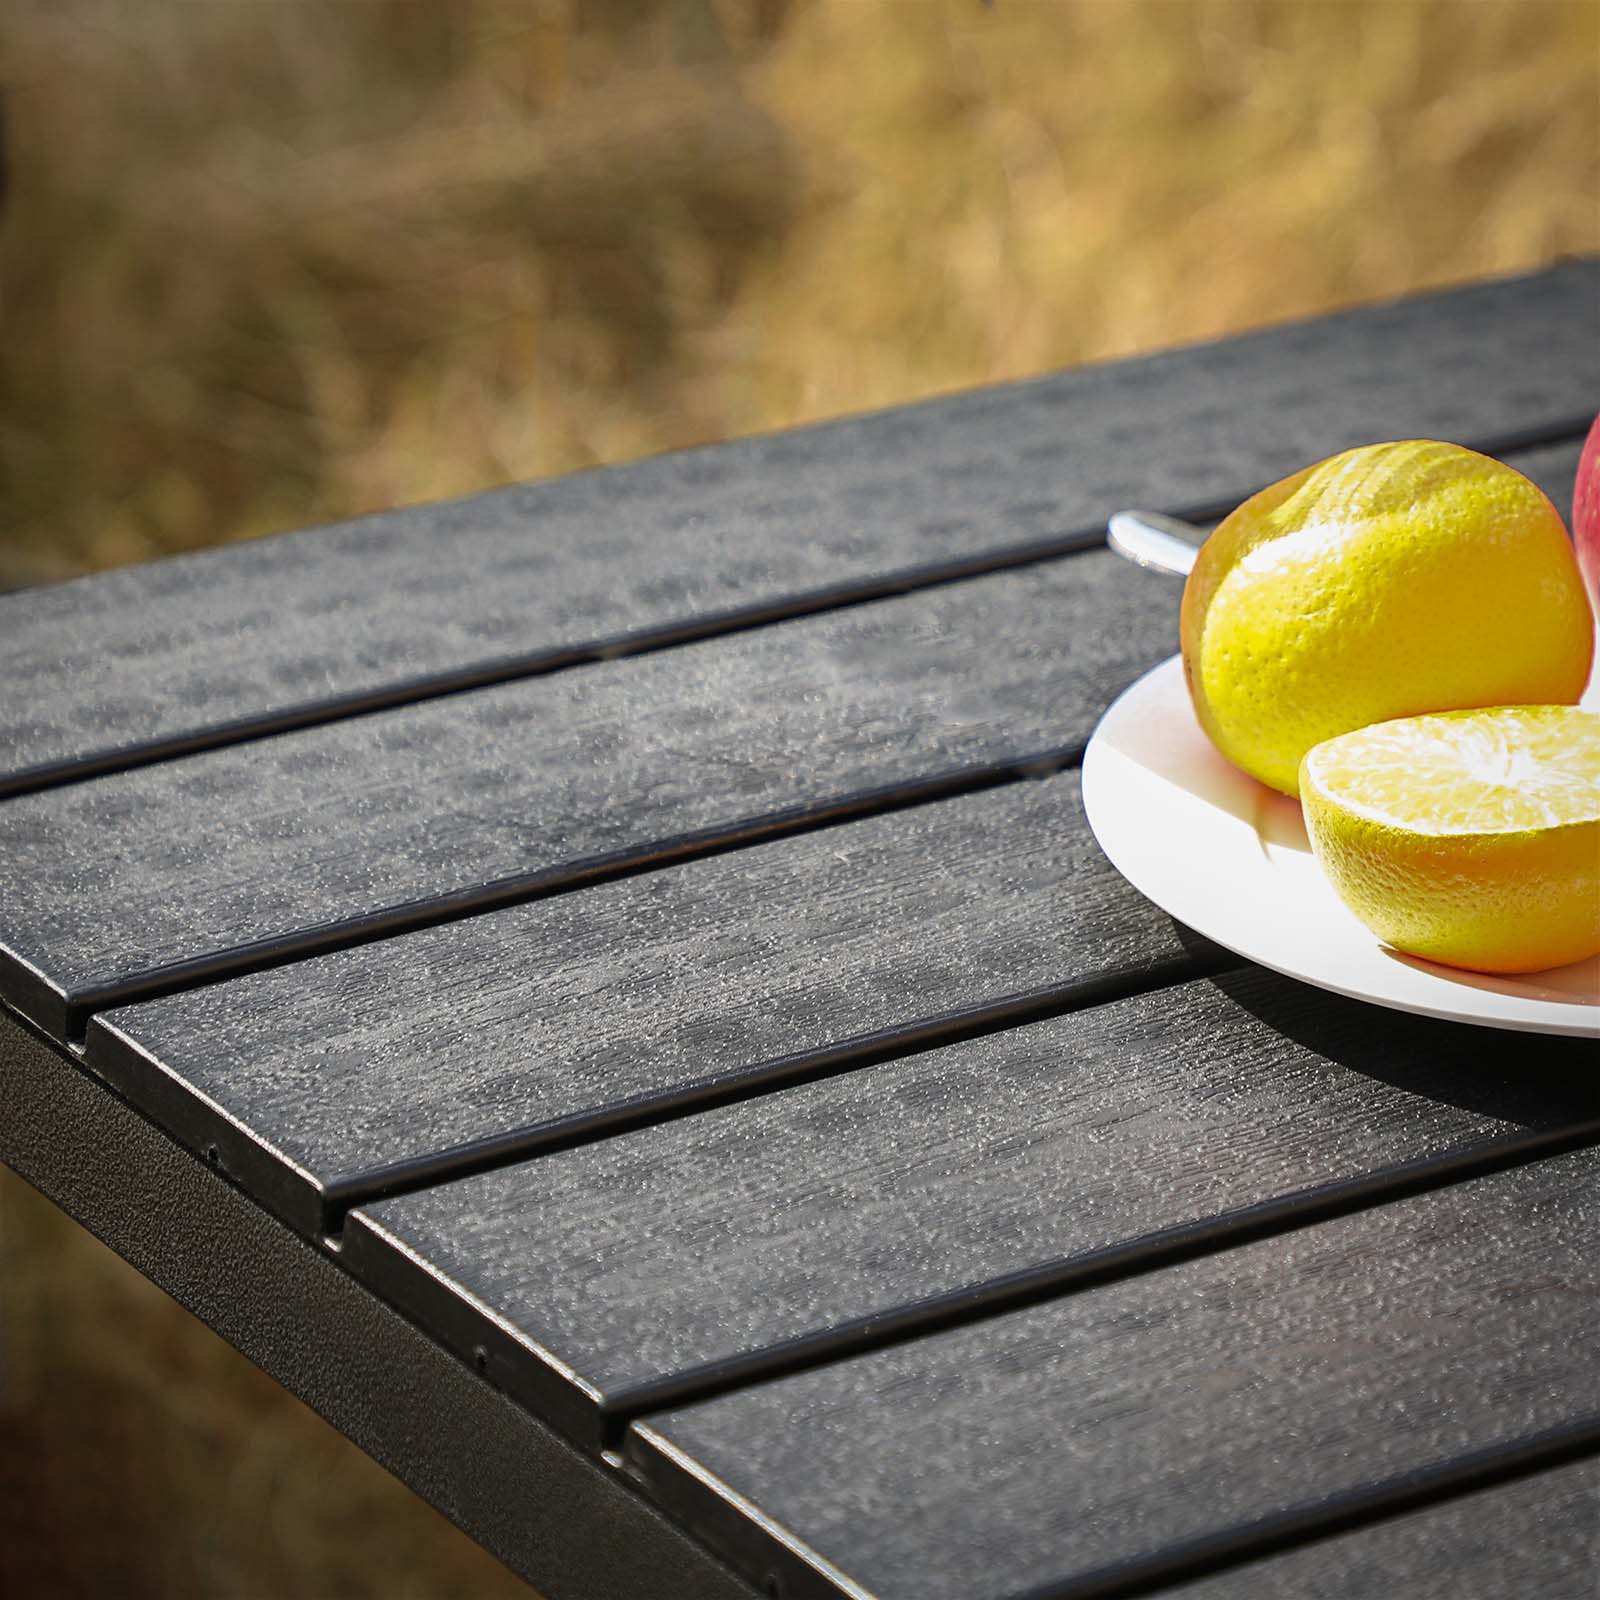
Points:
(646, 640)
(543, 663)
(1380, 1502)
(1226, 1550)
(68, 1013)
(1150, 1252)
(707, 1500)
(785, 1072)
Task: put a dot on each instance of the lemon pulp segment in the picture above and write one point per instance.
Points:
(1471, 838)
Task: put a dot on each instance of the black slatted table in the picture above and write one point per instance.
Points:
(606, 990)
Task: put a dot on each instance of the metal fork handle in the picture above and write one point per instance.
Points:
(1150, 539)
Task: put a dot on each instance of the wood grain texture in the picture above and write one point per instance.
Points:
(1537, 1538)
(1044, 1452)
(695, 1252)
(298, 808)
(414, 600)
(567, 1013)
(531, 780)
(530, 784)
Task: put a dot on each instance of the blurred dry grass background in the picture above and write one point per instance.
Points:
(271, 262)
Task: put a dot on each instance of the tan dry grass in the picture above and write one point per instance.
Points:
(1048, 184)
(268, 264)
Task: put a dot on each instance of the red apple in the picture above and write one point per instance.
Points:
(1586, 515)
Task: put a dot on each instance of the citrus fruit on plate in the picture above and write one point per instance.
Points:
(1229, 858)
(1387, 581)
(1470, 838)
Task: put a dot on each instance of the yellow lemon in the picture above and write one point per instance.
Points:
(1471, 838)
(1384, 582)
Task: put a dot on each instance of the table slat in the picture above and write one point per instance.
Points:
(1090, 1439)
(555, 1020)
(112, 884)
(1536, 1538)
(219, 644)
(410, 816)
(604, 1279)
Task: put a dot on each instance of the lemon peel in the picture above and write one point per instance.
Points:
(1387, 581)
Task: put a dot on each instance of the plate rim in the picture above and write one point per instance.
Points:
(1562, 1018)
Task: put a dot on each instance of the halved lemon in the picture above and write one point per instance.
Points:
(1469, 837)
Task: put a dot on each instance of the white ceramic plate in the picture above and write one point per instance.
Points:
(1230, 858)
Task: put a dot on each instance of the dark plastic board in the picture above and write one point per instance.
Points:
(318, 837)
(604, 1279)
(1118, 1433)
(217, 644)
(156, 878)
(1537, 1538)
(314, 1083)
